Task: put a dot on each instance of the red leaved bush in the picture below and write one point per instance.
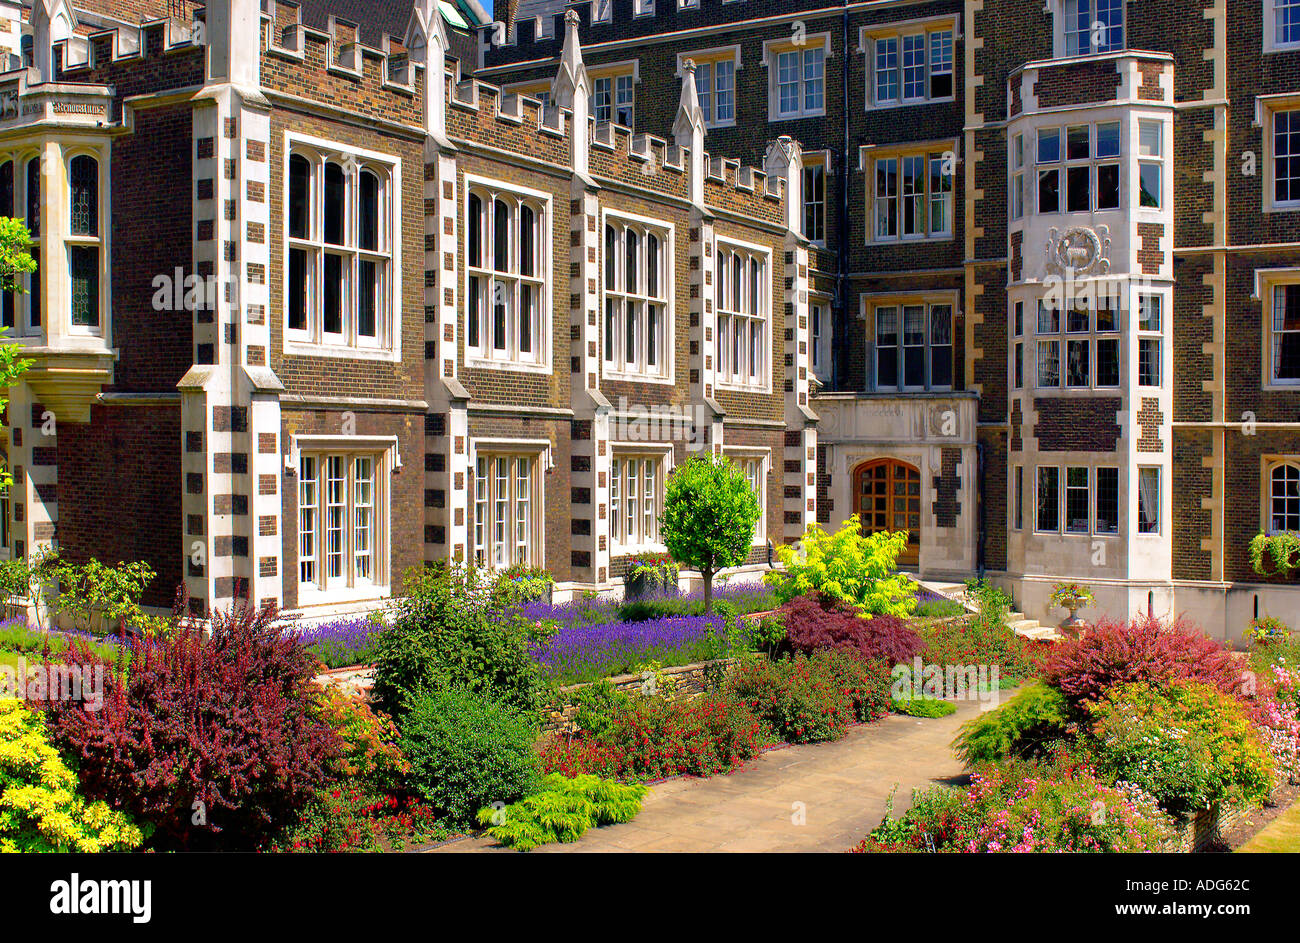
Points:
(813, 622)
(1142, 650)
(215, 740)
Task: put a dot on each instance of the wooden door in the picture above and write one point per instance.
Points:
(887, 496)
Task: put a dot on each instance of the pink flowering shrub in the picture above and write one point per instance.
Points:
(1276, 715)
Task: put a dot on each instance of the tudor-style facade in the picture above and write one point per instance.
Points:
(1059, 245)
(314, 308)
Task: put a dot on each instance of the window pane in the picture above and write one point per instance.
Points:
(1108, 362)
(34, 197)
(1107, 501)
(1149, 361)
(1149, 183)
(84, 262)
(307, 500)
(1049, 145)
(500, 236)
(1108, 139)
(298, 289)
(1108, 187)
(332, 294)
(1078, 142)
(887, 347)
(299, 197)
(1284, 494)
(1148, 500)
(1286, 332)
(368, 212)
(335, 198)
(1049, 363)
(85, 196)
(335, 510)
(887, 69)
(363, 504)
(475, 235)
(1077, 367)
(367, 298)
(1049, 191)
(1049, 500)
(1079, 190)
(1076, 500)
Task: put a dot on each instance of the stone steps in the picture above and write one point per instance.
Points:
(1032, 629)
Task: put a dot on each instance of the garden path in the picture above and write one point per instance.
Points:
(843, 787)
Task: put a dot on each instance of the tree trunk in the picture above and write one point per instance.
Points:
(708, 591)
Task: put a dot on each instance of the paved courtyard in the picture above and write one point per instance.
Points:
(840, 788)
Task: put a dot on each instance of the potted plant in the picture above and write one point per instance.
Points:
(1267, 630)
(1072, 597)
(650, 574)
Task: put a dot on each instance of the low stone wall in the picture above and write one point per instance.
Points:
(1210, 825)
(687, 681)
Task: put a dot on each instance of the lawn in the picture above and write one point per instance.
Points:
(1281, 835)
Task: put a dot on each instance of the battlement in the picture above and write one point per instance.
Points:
(339, 48)
(77, 57)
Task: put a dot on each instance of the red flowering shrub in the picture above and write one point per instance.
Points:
(980, 640)
(811, 698)
(814, 622)
(654, 738)
(1117, 653)
(347, 818)
(214, 740)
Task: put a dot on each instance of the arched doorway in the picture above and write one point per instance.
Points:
(887, 496)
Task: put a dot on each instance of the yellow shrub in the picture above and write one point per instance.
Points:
(39, 806)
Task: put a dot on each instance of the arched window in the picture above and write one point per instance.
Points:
(1284, 497)
(85, 196)
(340, 250)
(504, 292)
(83, 241)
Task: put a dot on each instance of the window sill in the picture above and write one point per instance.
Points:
(796, 117)
(623, 376)
(911, 241)
(909, 103)
(513, 366)
(309, 595)
(296, 348)
(1292, 206)
(742, 387)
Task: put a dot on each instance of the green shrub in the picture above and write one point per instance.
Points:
(19, 637)
(448, 633)
(855, 568)
(922, 706)
(1025, 726)
(811, 698)
(1187, 744)
(467, 751)
(938, 609)
(562, 811)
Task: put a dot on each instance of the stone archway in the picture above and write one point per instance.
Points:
(887, 496)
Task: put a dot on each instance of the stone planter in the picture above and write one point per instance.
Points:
(1072, 626)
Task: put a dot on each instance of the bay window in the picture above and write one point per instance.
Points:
(913, 346)
(1077, 500)
(506, 509)
(742, 301)
(339, 290)
(636, 297)
(635, 495)
(506, 260)
(1088, 170)
(339, 524)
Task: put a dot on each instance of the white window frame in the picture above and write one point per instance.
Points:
(1151, 308)
(528, 548)
(747, 310)
(1064, 163)
(621, 79)
(1016, 187)
(706, 84)
(819, 336)
(485, 354)
(881, 45)
(1066, 30)
(1151, 161)
(1160, 498)
(1273, 10)
(627, 516)
(819, 160)
(387, 168)
(1271, 149)
(755, 465)
(619, 367)
(1267, 284)
(816, 48)
(350, 585)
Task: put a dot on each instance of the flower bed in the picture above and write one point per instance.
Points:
(578, 653)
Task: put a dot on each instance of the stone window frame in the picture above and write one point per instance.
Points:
(772, 52)
(1060, 41)
(820, 159)
(662, 454)
(870, 304)
(22, 304)
(1270, 12)
(763, 315)
(1016, 498)
(819, 342)
(1269, 464)
(929, 27)
(540, 455)
(1035, 308)
(477, 357)
(711, 57)
(1160, 500)
(1266, 280)
(1266, 110)
(388, 168)
(1063, 468)
(98, 240)
(744, 457)
(383, 451)
(928, 151)
(538, 90)
(1063, 164)
(666, 232)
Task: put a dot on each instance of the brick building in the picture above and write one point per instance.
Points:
(1055, 279)
(314, 305)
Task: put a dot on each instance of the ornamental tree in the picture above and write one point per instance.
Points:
(848, 565)
(709, 517)
(15, 262)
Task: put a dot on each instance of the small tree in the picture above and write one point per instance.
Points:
(848, 565)
(15, 262)
(709, 517)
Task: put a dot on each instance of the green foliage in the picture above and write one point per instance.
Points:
(100, 598)
(40, 807)
(1071, 595)
(811, 698)
(597, 706)
(990, 602)
(15, 261)
(709, 517)
(448, 632)
(1275, 554)
(1284, 654)
(519, 585)
(922, 706)
(1267, 630)
(562, 811)
(18, 637)
(1027, 725)
(938, 609)
(466, 751)
(855, 568)
(1187, 744)
(651, 574)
